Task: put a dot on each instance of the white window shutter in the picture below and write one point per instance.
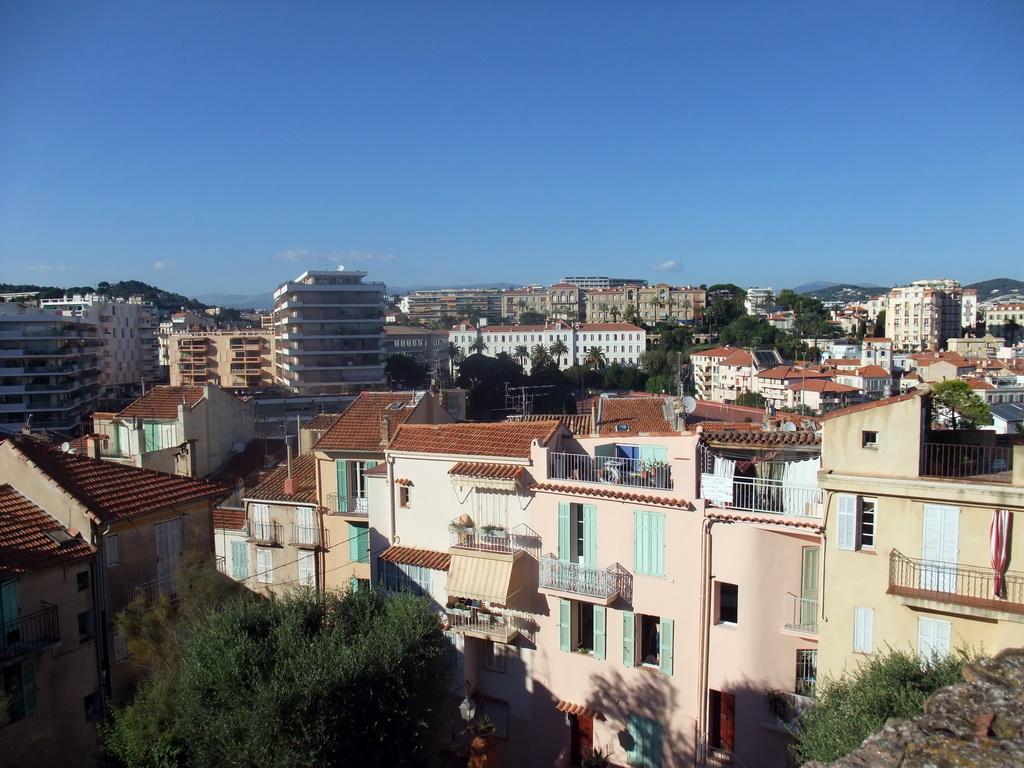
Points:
(863, 630)
(846, 522)
(110, 547)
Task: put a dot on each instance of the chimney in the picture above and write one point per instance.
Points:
(385, 429)
(92, 446)
(290, 484)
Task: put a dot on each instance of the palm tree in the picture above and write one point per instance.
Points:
(521, 354)
(615, 312)
(558, 349)
(596, 358)
(603, 309)
(1010, 328)
(539, 356)
(453, 353)
(478, 345)
(630, 313)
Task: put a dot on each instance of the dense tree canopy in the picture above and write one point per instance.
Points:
(955, 405)
(405, 372)
(306, 680)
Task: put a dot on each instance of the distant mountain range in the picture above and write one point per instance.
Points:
(261, 301)
(844, 292)
(1001, 289)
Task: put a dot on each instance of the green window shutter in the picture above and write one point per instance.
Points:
(239, 559)
(10, 603)
(649, 542)
(653, 454)
(589, 534)
(30, 692)
(657, 544)
(564, 624)
(359, 542)
(641, 553)
(600, 629)
(564, 532)
(370, 464)
(150, 431)
(668, 631)
(646, 748)
(628, 639)
(637, 746)
(341, 466)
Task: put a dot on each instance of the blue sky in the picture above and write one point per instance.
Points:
(228, 146)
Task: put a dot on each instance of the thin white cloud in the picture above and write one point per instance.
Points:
(668, 266)
(356, 256)
(297, 254)
(48, 268)
(161, 265)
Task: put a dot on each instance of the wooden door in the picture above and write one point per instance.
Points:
(582, 738)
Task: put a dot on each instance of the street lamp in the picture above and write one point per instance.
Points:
(468, 707)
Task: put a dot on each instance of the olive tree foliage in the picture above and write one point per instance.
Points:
(852, 707)
(311, 679)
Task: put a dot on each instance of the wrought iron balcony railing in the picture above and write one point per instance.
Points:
(308, 536)
(608, 470)
(495, 625)
(800, 614)
(29, 634)
(585, 580)
(264, 533)
(966, 585)
(493, 538)
(150, 591)
(356, 506)
(988, 463)
(755, 494)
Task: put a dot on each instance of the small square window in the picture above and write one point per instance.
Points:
(82, 580)
(869, 439)
(494, 657)
(728, 603)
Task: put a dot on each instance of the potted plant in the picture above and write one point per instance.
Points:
(495, 531)
(482, 727)
(596, 759)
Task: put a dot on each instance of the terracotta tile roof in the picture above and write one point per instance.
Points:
(877, 404)
(928, 358)
(321, 422)
(162, 402)
(789, 372)
(765, 521)
(229, 518)
(637, 414)
(738, 358)
(507, 439)
(425, 558)
(716, 352)
(608, 493)
(821, 385)
(304, 473)
(403, 481)
(247, 464)
(713, 435)
(979, 384)
(873, 372)
(738, 426)
(579, 710)
(378, 469)
(877, 339)
(577, 423)
(360, 427)
(585, 327)
(483, 471)
(707, 411)
(23, 540)
(114, 491)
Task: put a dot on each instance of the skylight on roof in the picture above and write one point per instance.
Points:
(622, 427)
(60, 536)
(395, 406)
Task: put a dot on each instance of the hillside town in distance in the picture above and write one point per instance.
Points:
(649, 518)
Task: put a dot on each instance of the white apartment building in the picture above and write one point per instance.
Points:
(49, 369)
(330, 332)
(759, 301)
(128, 331)
(922, 316)
(621, 343)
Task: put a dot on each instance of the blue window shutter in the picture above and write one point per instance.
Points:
(645, 751)
(30, 692)
(589, 534)
(668, 631)
(637, 747)
(341, 467)
(564, 532)
(564, 624)
(239, 559)
(359, 542)
(600, 629)
(628, 639)
(371, 464)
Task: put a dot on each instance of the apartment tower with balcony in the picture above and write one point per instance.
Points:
(330, 333)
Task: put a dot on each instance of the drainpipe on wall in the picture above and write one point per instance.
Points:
(704, 645)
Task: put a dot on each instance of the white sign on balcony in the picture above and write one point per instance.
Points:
(716, 489)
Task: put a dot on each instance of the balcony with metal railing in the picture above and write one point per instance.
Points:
(563, 578)
(953, 584)
(268, 534)
(492, 538)
(756, 494)
(609, 470)
(150, 591)
(28, 635)
(783, 709)
(984, 463)
(354, 506)
(486, 624)
(799, 614)
(306, 536)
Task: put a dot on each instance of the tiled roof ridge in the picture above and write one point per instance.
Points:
(764, 521)
(544, 432)
(866, 406)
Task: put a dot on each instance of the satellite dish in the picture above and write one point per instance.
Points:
(789, 426)
(65, 446)
(238, 447)
(689, 404)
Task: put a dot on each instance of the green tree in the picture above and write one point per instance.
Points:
(596, 358)
(558, 351)
(531, 318)
(307, 679)
(956, 406)
(405, 371)
(539, 356)
(1010, 329)
(521, 354)
(752, 399)
(850, 708)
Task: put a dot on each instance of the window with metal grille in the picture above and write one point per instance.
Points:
(806, 671)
